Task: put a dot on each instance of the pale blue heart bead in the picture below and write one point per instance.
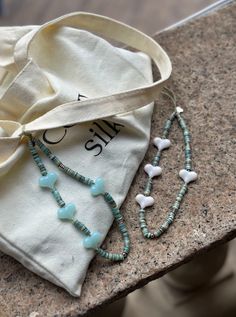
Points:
(48, 180)
(93, 241)
(67, 212)
(98, 187)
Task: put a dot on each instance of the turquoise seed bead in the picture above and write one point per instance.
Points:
(148, 187)
(93, 241)
(81, 227)
(57, 197)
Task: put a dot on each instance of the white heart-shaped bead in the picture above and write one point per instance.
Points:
(152, 170)
(161, 144)
(188, 176)
(144, 201)
(179, 109)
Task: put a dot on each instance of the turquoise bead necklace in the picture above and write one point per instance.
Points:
(66, 212)
(152, 170)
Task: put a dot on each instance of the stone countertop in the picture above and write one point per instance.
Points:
(204, 79)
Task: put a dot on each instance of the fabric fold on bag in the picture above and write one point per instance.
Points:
(97, 107)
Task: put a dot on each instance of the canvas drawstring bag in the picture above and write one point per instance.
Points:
(91, 103)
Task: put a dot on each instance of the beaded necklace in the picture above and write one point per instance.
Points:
(152, 170)
(66, 212)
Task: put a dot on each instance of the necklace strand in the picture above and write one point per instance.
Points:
(152, 170)
(67, 211)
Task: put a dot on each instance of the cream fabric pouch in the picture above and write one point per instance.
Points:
(91, 103)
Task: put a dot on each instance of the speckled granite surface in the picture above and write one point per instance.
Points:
(204, 78)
